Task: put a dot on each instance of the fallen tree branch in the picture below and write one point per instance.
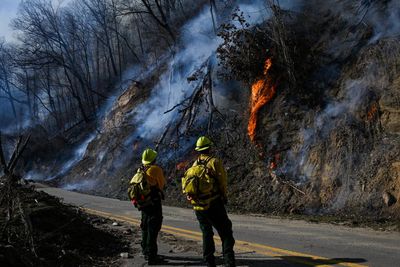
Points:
(28, 225)
(200, 99)
(161, 139)
(287, 182)
(14, 154)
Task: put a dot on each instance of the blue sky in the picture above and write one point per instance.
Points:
(8, 10)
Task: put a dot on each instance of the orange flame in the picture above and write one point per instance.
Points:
(372, 111)
(262, 92)
(274, 163)
(182, 165)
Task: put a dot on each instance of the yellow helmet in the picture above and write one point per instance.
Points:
(148, 156)
(203, 143)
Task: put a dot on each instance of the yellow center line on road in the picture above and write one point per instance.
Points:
(245, 246)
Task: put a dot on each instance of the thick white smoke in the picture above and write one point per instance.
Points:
(198, 43)
(81, 185)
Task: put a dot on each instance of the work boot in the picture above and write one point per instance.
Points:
(211, 264)
(145, 256)
(155, 260)
(229, 263)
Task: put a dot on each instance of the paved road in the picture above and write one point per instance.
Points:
(271, 242)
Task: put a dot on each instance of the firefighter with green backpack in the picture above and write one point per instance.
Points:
(146, 192)
(205, 186)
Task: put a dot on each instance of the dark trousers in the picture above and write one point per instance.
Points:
(216, 217)
(151, 226)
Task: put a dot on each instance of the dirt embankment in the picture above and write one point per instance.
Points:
(61, 235)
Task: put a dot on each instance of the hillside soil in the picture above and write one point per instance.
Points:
(61, 235)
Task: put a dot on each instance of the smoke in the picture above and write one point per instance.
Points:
(384, 17)
(136, 72)
(7, 120)
(356, 90)
(125, 81)
(81, 185)
(254, 13)
(75, 158)
(299, 162)
(11, 122)
(198, 43)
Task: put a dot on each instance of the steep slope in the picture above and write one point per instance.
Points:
(327, 141)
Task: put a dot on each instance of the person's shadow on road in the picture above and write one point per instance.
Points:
(260, 261)
(308, 261)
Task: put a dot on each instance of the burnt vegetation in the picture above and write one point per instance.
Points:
(319, 82)
(38, 230)
(69, 57)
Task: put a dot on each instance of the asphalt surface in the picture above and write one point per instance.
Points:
(261, 241)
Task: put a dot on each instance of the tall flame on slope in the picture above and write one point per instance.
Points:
(262, 92)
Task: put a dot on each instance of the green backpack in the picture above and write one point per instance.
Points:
(199, 182)
(139, 190)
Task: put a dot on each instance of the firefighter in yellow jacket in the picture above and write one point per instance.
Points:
(210, 210)
(152, 215)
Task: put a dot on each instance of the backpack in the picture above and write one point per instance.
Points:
(198, 181)
(139, 190)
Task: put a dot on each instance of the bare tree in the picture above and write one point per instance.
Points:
(5, 76)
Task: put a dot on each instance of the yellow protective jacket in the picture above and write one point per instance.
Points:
(155, 176)
(219, 173)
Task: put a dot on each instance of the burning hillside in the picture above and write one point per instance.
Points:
(262, 92)
(301, 98)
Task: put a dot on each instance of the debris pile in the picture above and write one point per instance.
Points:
(61, 235)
